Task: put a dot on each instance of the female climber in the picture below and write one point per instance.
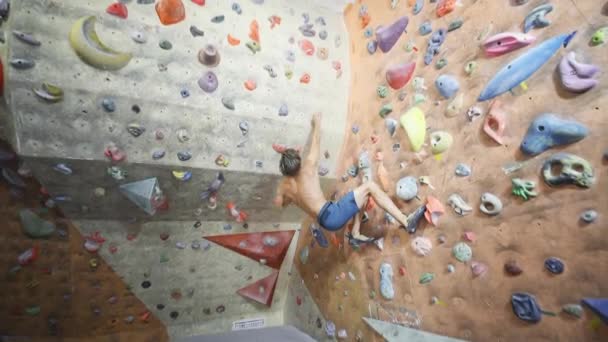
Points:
(301, 187)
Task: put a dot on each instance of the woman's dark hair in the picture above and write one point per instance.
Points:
(290, 162)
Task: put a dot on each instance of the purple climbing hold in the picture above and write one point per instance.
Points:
(388, 36)
(554, 265)
(208, 82)
(577, 77)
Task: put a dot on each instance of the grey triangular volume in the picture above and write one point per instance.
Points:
(141, 193)
(394, 333)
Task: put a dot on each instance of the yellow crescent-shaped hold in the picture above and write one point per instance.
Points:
(179, 174)
(91, 50)
(414, 124)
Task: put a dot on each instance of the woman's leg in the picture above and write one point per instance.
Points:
(382, 200)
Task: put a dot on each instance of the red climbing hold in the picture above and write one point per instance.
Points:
(398, 75)
(28, 256)
(118, 9)
(199, 2)
(170, 11)
(298, 300)
(271, 246)
(262, 290)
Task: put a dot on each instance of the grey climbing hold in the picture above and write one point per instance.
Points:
(183, 135)
(490, 204)
(135, 129)
(237, 8)
(270, 71)
(22, 63)
(386, 281)
(460, 206)
(228, 102)
(291, 56)
(244, 127)
(462, 170)
(407, 188)
(573, 309)
(455, 25)
(145, 2)
(323, 35)
(184, 93)
(451, 268)
(184, 155)
(196, 32)
(391, 126)
(320, 21)
(26, 38)
(108, 105)
(441, 63)
(283, 110)
(165, 44)
(139, 37)
(12, 178)
(35, 227)
(217, 19)
(353, 171)
(63, 169)
(589, 216)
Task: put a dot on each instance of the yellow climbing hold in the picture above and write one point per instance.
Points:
(87, 45)
(414, 124)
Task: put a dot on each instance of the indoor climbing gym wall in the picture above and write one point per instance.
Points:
(485, 120)
(141, 162)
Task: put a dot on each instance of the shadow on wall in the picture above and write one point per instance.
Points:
(285, 333)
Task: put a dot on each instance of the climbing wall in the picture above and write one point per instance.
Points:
(154, 105)
(468, 307)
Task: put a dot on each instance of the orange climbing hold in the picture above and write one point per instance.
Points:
(254, 31)
(305, 78)
(334, 240)
(250, 85)
(233, 41)
(170, 11)
(274, 21)
(365, 19)
(434, 209)
(307, 47)
(444, 7)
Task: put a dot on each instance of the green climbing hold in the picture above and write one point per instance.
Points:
(573, 309)
(382, 91)
(523, 188)
(470, 67)
(442, 62)
(35, 227)
(164, 258)
(253, 46)
(426, 278)
(419, 98)
(32, 310)
(455, 25)
(386, 110)
(165, 44)
(372, 294)
(462, 252)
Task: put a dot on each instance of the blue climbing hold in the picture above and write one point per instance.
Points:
(554, 265)
(317, 233)
(599, 306)
(525, 307)
(548, 130)
(372, 46)
(425, 28)
(418, 6)
(447, 85)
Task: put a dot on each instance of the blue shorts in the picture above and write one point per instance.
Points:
(334, 215)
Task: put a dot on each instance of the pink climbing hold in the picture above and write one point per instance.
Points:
(118, 9)
(388, 36)
(239, 215)
(199, 2)
(307, 47)
(398, 75)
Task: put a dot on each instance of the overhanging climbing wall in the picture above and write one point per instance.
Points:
(154, 105)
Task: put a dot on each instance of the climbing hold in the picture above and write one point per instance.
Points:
(525, 307)
(589, 216)
(305, 78)
(426, 278)
(317, 233)
(270, 71)
(398, 75)
(460, 206)
(184, 93)
(182, 175)
(158, 154)
(13, 178)
(323, 35)
(35, 227)
(473, 113)
(536, 17)
(114, 153)
(447, 85)
(434, 43)
(506, 42)
(139, 37)
(512, 268)
(414, 124)
(386, 281)
(208, 82)
(382, 91)
(391, 126)
(441, 63)
(478, 269)
(599, 37)
(440, 141)
(434, 209)
(470, 68)
(490, 204)
(199, 2)
(523, 188)
(388, 36)
(496, 122)
(406, 188)
(425, 28)
(228, 102)
(49, 92)
(577, 77)
(368, 32)
(209, 56)
(462, 252)
(63, 169)
(444, 7)
(573, 309)
(418, 6)
(118, 9)
(455, 25)
(117, 173)
(237, 8)
(554, 265)
(184, 155)
(22, 63)
(304, 254)
(455, 106)
(283, 110)
(135, 129)
(451, 268)
(244, 127)
(372, 45)
(330, 329)
(385, 110)
(574, 170)
(26, 38)
(217, 19)
(307, 47)
(233, 41)
(521, 68)
(196, 32)
(170, 11)
(421, 245)
(322, 53)
(250, 85)
(85, 42)
(165, 44)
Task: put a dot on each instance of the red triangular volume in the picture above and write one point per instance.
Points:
(270, 246)
(262, 290)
